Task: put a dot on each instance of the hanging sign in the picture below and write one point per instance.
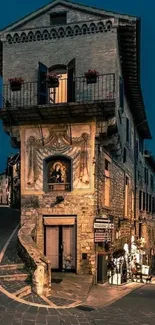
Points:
(103, 223)
(102, 235)
(103, 230)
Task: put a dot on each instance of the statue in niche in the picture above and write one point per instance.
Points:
(58, 173)
(32, 161)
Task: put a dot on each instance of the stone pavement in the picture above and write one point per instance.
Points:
(136, 308)
(105, 294)
(9, 219)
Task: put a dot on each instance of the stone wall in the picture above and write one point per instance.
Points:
(83, 208)
(35, 261)
(21, 59)
(116, 207)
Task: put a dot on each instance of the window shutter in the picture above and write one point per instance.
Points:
(42, 85)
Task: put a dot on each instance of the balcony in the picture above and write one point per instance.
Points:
(74, 97)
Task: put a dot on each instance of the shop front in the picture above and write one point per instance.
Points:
(103, 234)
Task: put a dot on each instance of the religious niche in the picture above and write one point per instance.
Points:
(59, 140)
(58, 174)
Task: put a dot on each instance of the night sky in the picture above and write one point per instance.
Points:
(12, 10)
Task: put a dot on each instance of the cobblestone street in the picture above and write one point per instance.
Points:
(135, 308)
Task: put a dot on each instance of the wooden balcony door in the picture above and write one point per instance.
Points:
(60, 247)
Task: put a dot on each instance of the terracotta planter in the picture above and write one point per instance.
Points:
(53, 83)
(15, 86)
(91, 80)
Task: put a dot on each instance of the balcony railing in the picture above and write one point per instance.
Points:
(76, 91)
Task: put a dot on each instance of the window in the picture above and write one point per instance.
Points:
(152, 182)
(138, 175)
(136, 150)
(121, 93)
(146, 175)
(132, 204)
(126, 195)
(140, 200)
(141, 144)
(147, 202)
(153, 205)
(143, 201)
(57, 172)
(150, 203)
(127, 130)
(140, 230)
(124, 155)
(59, 18)
(107, 183)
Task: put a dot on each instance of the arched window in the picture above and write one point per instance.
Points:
(57, 173)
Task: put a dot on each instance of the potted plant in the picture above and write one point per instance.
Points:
(16, 83)
(91, 76)
(118, 252)
(52, 80)
(140, 243)
(67, 263)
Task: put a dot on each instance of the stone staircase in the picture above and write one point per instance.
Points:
(15, 279)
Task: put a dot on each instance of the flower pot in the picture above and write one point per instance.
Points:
(53, 83)
(15, 86)
(91, 80)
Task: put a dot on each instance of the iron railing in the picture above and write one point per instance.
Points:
(76, 90)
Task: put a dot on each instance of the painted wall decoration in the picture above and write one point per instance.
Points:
(72, 141)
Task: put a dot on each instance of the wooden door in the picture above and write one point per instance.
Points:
(68, 241)
(52, 246)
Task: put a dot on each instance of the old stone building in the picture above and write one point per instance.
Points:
(146, 199)
(78, 137)
(13, 176)
(4, 197)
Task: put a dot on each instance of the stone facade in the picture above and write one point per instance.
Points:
(4, 195)
(89, 145)
(79, 202)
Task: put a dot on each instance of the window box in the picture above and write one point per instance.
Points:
(52, 80)
(91, 76)
(16, 84)
(53, 83)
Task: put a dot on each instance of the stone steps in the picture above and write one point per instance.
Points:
(23, 291)
(4, 267)
(15, 277)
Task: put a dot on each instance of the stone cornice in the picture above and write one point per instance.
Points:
(56, 32)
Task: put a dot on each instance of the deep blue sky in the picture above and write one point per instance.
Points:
(12, 10)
